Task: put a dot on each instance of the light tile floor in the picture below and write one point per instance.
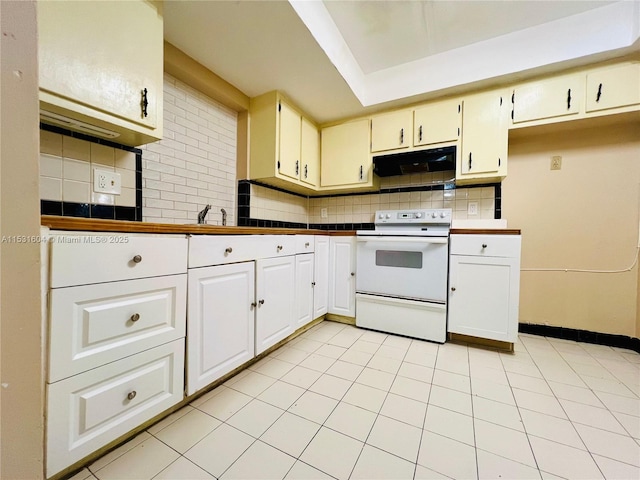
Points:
(341, 402)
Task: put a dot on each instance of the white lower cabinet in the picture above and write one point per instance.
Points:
(87, 411)
(220, 322)
(342, 280)
(484, 286)
(321, 276)
(275, 291)
(304, 290)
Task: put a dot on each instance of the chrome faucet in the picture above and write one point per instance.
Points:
(203, 213)
(224, 216)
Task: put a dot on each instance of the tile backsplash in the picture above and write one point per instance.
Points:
(419, 191)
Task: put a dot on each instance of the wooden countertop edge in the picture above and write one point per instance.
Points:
(121, 226)
(485, 231)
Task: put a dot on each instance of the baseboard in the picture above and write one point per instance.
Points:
(341, 319)
(611, 340)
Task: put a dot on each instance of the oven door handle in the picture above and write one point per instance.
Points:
(385, 239)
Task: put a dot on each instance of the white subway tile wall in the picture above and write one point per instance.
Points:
(268, 204)
(67, 165)
(195, 164)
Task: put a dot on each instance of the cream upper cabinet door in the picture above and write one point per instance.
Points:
(484, 135)
(613, 87)
(390, 131)
(98, 57)
(345, 156)
(437, 122)
(289, 142)
(310, 154)
(555, 97)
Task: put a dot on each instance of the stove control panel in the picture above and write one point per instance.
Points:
(413, 217)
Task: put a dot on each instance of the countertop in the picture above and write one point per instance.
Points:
(95, 225)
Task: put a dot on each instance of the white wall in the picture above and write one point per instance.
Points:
(195, 163)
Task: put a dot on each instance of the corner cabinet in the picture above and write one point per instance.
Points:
(483, 155)
(484, 286)
(345, 159)
(284, 144)
(101, 68)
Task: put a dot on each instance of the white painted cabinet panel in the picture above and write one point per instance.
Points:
(321, 276)
(89, 410)
(304, 290)
(90, 325)
(275, 293)
(484, 288)
(207, 250)
(89, 257)
(220, 322)
(342, 283)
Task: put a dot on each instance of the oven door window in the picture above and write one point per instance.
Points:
(398, 259)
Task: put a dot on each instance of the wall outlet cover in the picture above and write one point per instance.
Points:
(472, 208)
(324, 213)
(556, 162)
(105, 181)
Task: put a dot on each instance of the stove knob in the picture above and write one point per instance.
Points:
(418, 215)
(388, 215)
(433, 215)
(381, 216)
(443, 214)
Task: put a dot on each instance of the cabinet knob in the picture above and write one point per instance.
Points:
(131, 395)
(313, 284)
(306, 245)
(253, 305)
(228, 250)
(261, 302)
(135, 317)
(137, 259)
(484, 245)
(453, 289)
(353, 274)
(279, 247)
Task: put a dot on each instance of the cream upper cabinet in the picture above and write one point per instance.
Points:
(101, 64)
(613, 87)
(437, 122)
(484, 137)
(555, 97)
(345, 158)
(284, 145)
(310, 154)
(390, 131)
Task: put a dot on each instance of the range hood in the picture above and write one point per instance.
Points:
(433, 160)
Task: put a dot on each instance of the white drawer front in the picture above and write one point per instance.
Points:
(91, 325)
(486, 245)
(207, 250)
(95, 258)
(89, 410)
(305, 244)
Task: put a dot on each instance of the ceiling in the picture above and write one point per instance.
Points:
(341, 58)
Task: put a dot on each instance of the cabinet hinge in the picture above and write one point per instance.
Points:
(459, 108)
(278, 164)
(279, 106)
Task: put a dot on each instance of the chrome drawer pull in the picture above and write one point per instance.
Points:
(131, 395)
(135, 317)
(228, 250)
(137, 259)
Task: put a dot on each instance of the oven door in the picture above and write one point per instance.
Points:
(405, 267)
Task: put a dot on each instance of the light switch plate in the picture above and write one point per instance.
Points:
(472, 208)
(105, 181)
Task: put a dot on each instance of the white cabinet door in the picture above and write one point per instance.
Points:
(275, 291)
(220, 322)
(484, 286)
(304, 290)
(342, 284)
(321, 276)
